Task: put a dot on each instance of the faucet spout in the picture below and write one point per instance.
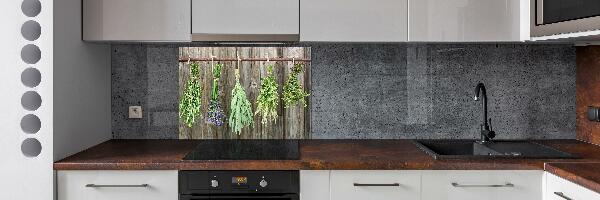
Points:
(486, 133)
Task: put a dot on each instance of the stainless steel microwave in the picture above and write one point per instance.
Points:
(552, 17)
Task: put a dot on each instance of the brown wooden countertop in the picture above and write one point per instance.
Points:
(314, 155)
(584, 174)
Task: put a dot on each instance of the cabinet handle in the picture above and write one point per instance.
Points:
(562, 195)
(493, 185)
(376, 184)
(115, 186)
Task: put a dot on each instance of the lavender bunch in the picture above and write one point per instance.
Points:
(215, 114)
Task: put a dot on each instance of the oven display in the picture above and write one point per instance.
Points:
(239, 180)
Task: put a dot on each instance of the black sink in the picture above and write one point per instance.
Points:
(469, 149)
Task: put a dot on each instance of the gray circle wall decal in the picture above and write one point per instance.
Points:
(31, 30)
(31, 77)
(31, 124)
(31, 8)
(31, 147)
(31, 100)
(31, 54)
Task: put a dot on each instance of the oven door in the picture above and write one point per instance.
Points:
(240, 197)
(552, 17)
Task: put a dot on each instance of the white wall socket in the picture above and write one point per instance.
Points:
(135, 112)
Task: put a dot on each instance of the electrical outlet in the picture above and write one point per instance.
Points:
(135, 112)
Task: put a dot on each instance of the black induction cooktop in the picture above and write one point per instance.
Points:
(245, 150)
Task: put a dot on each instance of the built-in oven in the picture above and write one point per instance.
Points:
(552, 17)
(239, 185)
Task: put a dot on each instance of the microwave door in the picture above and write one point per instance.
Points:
(556, 11)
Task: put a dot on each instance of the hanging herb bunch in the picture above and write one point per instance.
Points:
(293, 93)
(191, 99)
(268, 98)
(241, 110)
(215, 113)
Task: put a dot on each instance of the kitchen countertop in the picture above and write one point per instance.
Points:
(331, 155)
(584, 174)
(314, 155)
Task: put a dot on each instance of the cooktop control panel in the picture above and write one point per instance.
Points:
(228, 182)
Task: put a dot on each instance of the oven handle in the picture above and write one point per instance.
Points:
(285, 196)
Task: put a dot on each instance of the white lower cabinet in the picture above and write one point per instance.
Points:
(117, 185)
(314, 184)
(482, 185)
(560, 189)
(375, 185)
(341, 185)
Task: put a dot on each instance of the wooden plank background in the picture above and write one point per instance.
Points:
(293, 123)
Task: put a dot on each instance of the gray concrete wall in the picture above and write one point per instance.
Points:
(148, 76)
(384, 90)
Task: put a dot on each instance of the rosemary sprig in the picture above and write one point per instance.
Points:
(293, 93)
(191, 100)
(268, 98)
(241, 110)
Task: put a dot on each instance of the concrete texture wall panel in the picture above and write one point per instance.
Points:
(372, 91)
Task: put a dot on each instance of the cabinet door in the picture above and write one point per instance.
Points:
(375, 185)
(353, 20)
(234, 20)
(468, 21)
(314, 185)
(560, 189)
(482, 185)
(117, 185)
(136, 20)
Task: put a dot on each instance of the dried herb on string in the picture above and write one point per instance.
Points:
(191, 99)
(293, 93)
(241, 110)
(268, 98)
(215, 114)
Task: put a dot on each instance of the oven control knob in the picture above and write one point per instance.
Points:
(263, 183)
(214, 183)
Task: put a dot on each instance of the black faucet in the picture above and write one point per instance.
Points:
(487, 134)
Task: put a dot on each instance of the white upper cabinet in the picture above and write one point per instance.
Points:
(245, 20)
(136, 20)
(468, 20)
(307, 20)
(354, 20)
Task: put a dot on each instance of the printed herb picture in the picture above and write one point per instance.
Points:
(244, 92)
